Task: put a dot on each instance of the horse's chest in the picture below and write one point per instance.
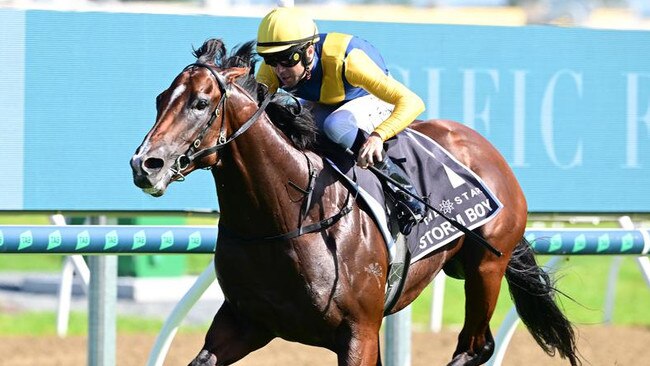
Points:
(253, 268)
(274, 289)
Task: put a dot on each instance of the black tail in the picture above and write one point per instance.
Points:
(533, 293)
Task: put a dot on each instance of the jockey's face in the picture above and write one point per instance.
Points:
(290, 75)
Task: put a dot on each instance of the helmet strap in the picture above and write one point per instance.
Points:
(307, 73)
(306, 63)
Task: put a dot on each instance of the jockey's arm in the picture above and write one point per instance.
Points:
(266, 76)
(362, 72)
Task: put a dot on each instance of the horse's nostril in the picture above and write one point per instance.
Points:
(154, 163)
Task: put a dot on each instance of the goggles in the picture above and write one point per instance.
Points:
(289, 58)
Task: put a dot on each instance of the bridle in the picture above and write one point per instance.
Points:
(184, 160)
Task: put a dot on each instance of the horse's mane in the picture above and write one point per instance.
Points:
(285, 112)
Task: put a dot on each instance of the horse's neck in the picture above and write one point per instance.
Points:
(253, 182)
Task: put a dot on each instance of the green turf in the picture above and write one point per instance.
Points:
(44, 323)
(195, 264)
(23, 219)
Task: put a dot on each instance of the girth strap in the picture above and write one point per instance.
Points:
(311, 228)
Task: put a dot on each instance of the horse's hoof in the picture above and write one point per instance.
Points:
(204, 358)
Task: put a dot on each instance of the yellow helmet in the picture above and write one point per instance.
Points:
(283, 28)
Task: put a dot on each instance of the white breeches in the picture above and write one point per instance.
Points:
(342, 124)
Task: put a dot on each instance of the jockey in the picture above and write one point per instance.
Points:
(345, 82)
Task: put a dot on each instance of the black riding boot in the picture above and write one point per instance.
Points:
(410, 210)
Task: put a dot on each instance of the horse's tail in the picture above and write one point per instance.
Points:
(533, 293)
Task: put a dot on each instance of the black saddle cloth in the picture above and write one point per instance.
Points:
(440, 179)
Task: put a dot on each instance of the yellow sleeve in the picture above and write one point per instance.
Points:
(362, 72)
(266, 76)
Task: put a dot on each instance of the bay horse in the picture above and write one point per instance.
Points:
(296, 256)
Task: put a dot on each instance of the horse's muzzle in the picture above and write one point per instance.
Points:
(145, 173)
(139, 174)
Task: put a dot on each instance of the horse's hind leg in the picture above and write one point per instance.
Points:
(229, 339)
(483, 274)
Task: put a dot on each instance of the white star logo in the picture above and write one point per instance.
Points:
(446, 206)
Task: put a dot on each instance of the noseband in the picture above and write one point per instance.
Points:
(184, 160)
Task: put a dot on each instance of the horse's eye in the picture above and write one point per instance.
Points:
(201, 104)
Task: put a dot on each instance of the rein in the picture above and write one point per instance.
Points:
(184, 160)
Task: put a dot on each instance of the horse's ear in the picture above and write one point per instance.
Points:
(213, 51)
(235, 72)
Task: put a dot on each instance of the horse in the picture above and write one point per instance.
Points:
(297, 257)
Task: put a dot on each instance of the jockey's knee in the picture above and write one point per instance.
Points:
(341, 128)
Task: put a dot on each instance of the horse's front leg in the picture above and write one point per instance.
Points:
(230, 338)
(358, 347)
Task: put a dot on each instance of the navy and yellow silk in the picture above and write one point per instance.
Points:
(347, 67)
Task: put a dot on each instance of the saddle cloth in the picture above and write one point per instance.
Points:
(443, 182)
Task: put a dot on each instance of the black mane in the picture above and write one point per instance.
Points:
(296, 122)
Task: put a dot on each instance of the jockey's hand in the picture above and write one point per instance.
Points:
(371, 151)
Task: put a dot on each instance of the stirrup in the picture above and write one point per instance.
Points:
(406, 218)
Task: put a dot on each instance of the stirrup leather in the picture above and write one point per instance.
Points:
(409, 210)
